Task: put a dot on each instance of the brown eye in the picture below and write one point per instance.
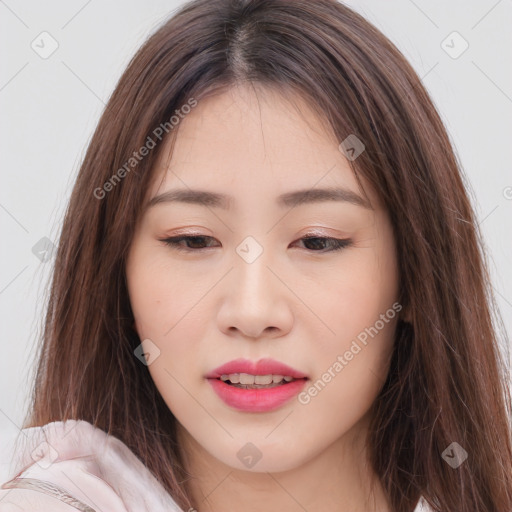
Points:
(324, 244)
(192, 243)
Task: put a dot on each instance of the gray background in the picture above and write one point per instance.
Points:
(51, 105)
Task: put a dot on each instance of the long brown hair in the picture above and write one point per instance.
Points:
(448, 379)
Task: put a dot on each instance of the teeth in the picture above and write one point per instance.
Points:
(247, 379)
(263, 379)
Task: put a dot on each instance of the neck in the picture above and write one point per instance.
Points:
(338, 478)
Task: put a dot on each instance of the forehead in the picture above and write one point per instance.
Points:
(253, 141)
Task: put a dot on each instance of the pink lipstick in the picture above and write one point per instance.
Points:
(260, 386)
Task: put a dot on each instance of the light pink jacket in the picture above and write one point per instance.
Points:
(72, 465)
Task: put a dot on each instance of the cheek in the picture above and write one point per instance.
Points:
(360, 307)
(357, 294)
(164, 314)
(158, 291)
(349, 377)
(164, 304)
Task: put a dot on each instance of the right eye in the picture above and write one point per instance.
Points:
(175, 242)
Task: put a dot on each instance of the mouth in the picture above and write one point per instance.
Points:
(248, 381)
(260, 386)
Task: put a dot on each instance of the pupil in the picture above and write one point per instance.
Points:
(315, 243)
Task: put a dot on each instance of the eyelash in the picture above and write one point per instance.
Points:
(336, 243)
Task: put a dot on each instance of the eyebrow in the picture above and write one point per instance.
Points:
(287, 200)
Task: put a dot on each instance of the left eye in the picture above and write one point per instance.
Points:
(318, 243)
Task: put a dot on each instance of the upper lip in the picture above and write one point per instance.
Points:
(261, 367)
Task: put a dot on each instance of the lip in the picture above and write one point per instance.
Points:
(261, 367)
(256, 400)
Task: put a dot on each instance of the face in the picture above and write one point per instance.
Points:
(256, 276)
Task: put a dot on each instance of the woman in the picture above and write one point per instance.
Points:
(269, 291)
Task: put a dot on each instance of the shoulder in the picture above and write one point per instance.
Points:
(24, 494)
(73, 465)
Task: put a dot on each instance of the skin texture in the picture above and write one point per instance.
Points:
(292, 304)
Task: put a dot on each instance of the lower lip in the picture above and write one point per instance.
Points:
(256, 400)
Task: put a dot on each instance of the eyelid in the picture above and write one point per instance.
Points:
(314, 233)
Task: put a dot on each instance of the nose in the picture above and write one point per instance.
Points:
(256, 303)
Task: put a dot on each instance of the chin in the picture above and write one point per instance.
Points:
(259, 457)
